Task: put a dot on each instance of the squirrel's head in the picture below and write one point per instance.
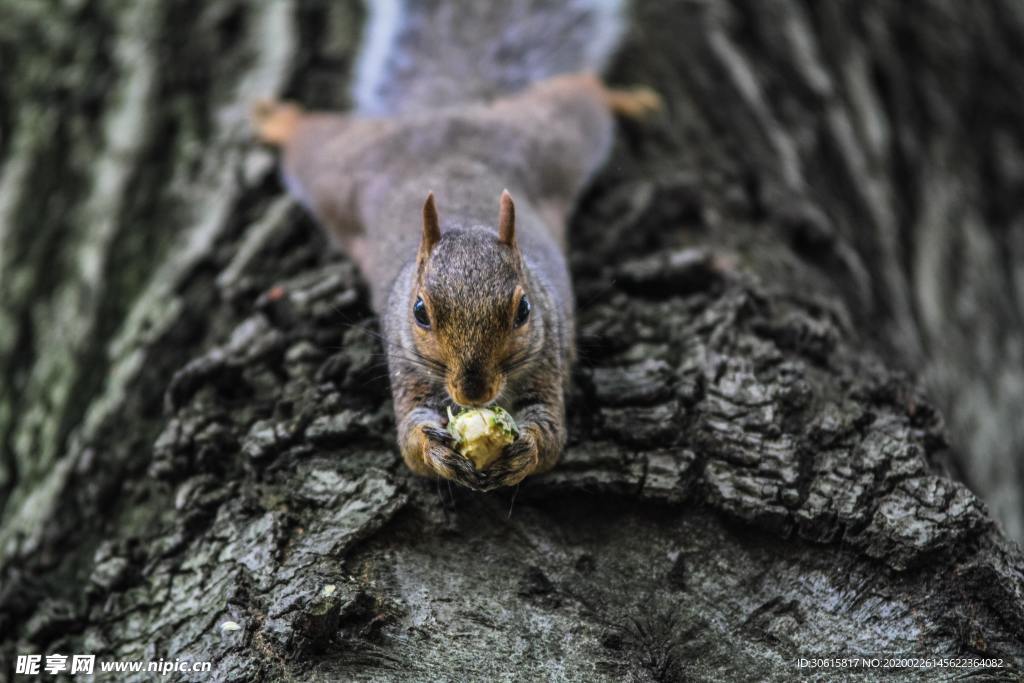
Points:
(471, 312)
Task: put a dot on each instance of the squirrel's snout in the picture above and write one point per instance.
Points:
(473, 389)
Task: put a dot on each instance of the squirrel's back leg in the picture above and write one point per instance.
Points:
(636, 102)
(565, 129)
(316, 164)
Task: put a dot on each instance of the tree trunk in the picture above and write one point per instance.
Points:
(195, 428)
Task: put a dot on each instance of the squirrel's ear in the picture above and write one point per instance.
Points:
(431, 227)
(507, 220)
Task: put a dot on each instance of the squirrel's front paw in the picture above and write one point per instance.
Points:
(438, 454)
(517, 461)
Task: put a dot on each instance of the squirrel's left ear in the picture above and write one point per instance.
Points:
(431, 228)
(507, 220)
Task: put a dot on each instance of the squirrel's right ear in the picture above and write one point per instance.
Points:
(431, 228)
(507, 220)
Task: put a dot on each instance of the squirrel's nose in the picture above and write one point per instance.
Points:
(472, 389)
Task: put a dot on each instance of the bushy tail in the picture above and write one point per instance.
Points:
(424, 54)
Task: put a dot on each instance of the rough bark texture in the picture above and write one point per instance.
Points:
(194, 420)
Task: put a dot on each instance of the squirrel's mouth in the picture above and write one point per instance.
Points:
(462, 402)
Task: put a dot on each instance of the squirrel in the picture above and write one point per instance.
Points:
(455, 212)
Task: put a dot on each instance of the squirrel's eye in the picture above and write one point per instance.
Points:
(419, 311)
(523, 312)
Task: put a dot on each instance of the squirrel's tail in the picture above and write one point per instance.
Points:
(424, 54)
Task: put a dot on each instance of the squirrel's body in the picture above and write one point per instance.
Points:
(475, 308)
(369, 176)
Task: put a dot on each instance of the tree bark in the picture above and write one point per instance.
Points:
(195, 427)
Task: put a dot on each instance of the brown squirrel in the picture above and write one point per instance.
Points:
(475, 299)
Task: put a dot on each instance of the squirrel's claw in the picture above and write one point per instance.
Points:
(450, 464)
(517, 461)
(633, 103)
(275, 122)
